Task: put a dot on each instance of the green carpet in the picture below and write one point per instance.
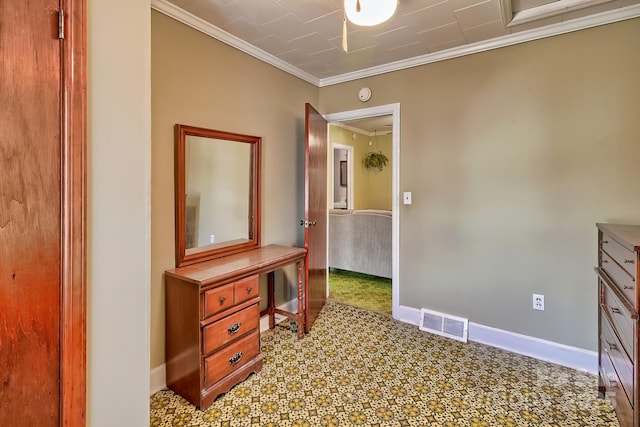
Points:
(360, 290)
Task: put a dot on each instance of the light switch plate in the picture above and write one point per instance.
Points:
(407, 197)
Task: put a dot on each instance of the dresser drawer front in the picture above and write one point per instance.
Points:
(614, 393)
(623, 256)
(623, 324)
(611, 347)
(246, 288)
(230, 358)
(218, 299)
(620, 277)
(230, 328)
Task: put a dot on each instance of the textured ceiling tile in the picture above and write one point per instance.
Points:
(217, 14)
(260, 12)
(310, 43)
(410, 50)
(485, 31)
(432, 17)
(329, 26)
(272, 44)
(308, 10)
(287, 27)
(441, 35)
(479, 14)
(394, 38)
(245, 30)
(461, 4)
(448, 45)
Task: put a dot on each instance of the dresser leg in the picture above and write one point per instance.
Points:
(271, 298)
(301, 325)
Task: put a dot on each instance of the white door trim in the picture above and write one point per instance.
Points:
(394, 111)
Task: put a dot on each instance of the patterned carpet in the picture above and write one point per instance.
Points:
(360, 290)
(359, 368)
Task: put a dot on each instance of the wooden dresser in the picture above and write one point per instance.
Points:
(213, 320)
(618, 272)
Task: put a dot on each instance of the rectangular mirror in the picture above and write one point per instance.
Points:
(217, 193)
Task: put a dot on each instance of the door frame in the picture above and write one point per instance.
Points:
(394, 111)
(349, 149)
(73, 405)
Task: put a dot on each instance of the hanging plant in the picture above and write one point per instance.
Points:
(374, 160)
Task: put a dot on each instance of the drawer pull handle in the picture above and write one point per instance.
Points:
(627, 287)
(235, 358)
(604, 261)
(604, 242)
(234, 328)
(615, 310)
(249, 290)
(612, 346)
(222, 300)
(629, 261)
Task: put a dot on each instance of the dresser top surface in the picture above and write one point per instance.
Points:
(254, 261)
(627, 235)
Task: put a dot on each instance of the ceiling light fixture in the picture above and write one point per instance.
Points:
(369, 12)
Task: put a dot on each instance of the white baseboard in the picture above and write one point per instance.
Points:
(158, 379)
(548, 351)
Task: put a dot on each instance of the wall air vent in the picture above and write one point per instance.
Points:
(444, 325)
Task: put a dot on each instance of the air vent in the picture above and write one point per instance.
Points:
(444, 324)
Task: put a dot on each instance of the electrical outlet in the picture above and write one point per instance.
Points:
(538, 302)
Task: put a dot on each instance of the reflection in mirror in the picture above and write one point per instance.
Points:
(217, 179)
(217, 202)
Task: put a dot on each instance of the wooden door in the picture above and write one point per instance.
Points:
(42, 208)
(315, 233)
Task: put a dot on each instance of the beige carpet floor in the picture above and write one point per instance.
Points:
(360, 368)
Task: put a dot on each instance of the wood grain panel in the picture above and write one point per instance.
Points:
(316, 212)
(30, 213)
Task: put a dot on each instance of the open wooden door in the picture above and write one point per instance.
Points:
(315, 214)
(42, 213)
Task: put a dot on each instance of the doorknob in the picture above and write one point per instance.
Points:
(307, 223)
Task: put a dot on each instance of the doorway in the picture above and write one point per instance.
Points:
(392, 110)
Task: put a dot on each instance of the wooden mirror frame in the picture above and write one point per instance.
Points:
(217, 250)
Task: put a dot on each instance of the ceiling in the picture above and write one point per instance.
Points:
(304, 37)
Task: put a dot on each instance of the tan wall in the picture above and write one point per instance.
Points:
(371, 189)
(197, 80)
(512, 156)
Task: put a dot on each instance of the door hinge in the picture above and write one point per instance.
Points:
(61, 24)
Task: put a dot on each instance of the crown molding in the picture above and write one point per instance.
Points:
(193, 21)
(603, 18)
(203, 26)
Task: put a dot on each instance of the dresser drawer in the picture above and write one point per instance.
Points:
(623, 323)
(230, 328)
(246, 288)
(611, 347)
(218, 299)
(623, 281)
(620, 254)
(614, 393)
(230, 358)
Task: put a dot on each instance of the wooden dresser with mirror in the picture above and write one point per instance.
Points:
(212, 296)
(618, 353)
